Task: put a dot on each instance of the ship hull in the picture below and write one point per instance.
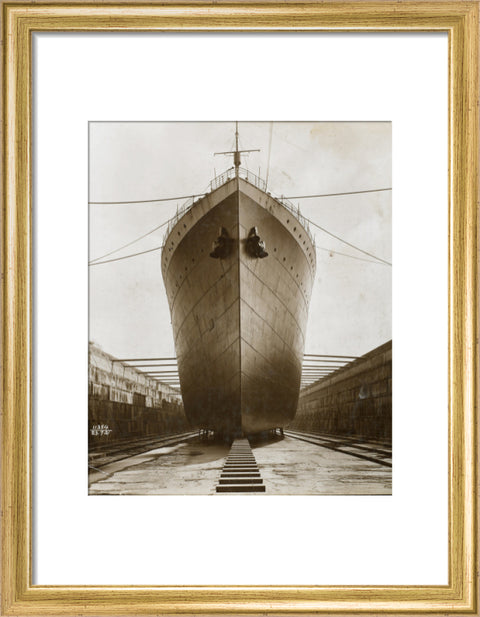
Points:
(239, 321)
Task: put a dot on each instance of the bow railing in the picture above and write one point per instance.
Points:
(251, 178)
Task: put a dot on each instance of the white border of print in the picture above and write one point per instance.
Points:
(187, 540)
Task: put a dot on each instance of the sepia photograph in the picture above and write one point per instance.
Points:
(200, 306)
(240, 308)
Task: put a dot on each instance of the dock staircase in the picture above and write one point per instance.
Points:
(240, 473)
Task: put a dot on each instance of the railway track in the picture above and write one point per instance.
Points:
(104, 454)
(157, 465)
(379, 452)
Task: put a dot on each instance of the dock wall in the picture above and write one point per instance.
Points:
(355, 400)
(124, 403)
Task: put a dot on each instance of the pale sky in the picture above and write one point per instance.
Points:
(351, 306)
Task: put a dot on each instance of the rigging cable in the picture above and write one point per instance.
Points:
(370, 261)
(150, 201)
(142, 201)
(133, 241)
(269, 152)
(107, 261)
(347, 243)
(157, 248)
(337, 194)
(97, 261)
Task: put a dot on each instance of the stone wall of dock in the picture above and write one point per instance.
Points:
(124, 403)
(355, 400)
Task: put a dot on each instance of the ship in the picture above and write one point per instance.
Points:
(238, 266)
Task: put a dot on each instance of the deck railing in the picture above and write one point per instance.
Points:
(253, 179)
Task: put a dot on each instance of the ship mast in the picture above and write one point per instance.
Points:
(236, 153)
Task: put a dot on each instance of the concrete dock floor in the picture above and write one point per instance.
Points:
(292, 467)
(287, 466)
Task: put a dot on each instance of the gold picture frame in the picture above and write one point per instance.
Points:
(460, 21)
